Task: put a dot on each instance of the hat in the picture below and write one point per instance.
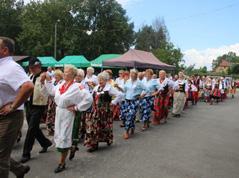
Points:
(33, 61)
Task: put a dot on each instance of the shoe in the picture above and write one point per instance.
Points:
(122, 125)
(44, 149)
(24, 159)
(93, 148)
(72, 153)
(143, 128)
(60, 168)
(26, 169)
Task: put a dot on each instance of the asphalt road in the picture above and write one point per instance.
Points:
(204, 143)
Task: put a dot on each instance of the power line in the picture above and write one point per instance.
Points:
(231, 5)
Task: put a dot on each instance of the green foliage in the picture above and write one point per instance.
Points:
(85, 27)
(155, 38)
(231, 57)
(10, 11)
(169, 54)
(191, 70)
(235, 69)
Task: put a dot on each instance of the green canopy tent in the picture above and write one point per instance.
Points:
(104, 57)
(45, 61)
(78, 61)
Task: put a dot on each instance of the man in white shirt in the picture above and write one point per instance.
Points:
(35, 108)
(15, 88)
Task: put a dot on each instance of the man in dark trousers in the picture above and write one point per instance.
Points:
(15, 88)
(35, 108)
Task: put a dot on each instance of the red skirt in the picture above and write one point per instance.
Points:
(161, 105)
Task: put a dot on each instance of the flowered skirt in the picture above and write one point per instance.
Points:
(161, 107)
(99, 127)
(146, 108)
(51, 112)
(130, 111)
(123, 111)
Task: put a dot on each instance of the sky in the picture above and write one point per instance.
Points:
(203, 29)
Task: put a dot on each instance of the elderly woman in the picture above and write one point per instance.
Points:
(179, 97)
(133, 89)
(79, 122)
(90, 79)
(146, 103)
(161, 102)
(208, 90)
(51, 110)
(80, 78)
(123, 106)
(99, 124)
(115, 108)
(69, 98)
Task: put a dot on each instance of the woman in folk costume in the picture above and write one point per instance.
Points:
(161, 102)
(201, 88)
(90, 79)
(208, 90)
(123, 106)
(69, 98)
(196, 83)
(223, 88)
(115, 108)
(99, 123)
(191, 92)
(233, 88)
(133, 90)
(51, 110)
(180, 89)
(216, 93)
(120, 80)
(147, 101)
(79, 122)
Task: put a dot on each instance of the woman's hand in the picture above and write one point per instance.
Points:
(71, 108)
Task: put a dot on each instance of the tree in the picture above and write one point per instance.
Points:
(170, 55)
(38, 20)
(155, 38)
(10, 24)
(86, 27)
(151, 37)
(231, 57)
(145, 38)
(235, 69)
(110, 29)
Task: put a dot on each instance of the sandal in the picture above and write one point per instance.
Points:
(93, 148)
(72, 153)
(60, 168)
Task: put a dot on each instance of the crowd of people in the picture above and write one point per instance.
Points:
(78, 105)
